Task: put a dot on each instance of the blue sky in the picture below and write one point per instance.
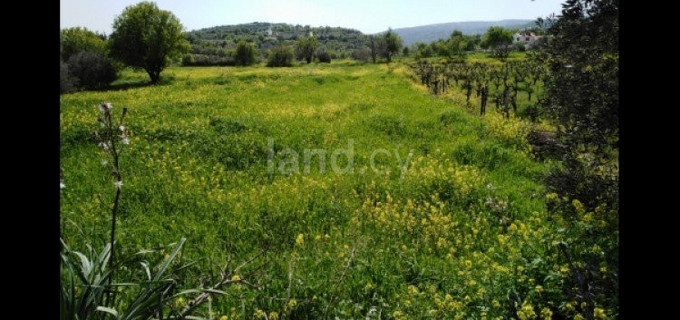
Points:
(368, 16)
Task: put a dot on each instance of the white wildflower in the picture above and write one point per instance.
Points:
(126, 140)
(122, 128)
(105, 107)
(61, 184)
(118, 184)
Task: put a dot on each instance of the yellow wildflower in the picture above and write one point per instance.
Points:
(291, 304)
(413, 290)
(599, 313)
(526, 311)
(546, 314)
(259, 314)
(300, 239)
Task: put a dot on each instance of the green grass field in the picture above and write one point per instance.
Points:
(462, 234)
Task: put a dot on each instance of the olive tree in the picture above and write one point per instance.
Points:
(305, 48)
(393, 44)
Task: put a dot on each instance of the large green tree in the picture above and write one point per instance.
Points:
(498, 39)
(393, 44)
(75, 40)
(305, 48)
(147, 37)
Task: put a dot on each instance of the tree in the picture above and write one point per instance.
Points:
(244, 54)
(498, 39)
(146, 37)
(74, 40)
(582, 98)
(305, 48)
(280, 56)
(393, 44)
(457, 44)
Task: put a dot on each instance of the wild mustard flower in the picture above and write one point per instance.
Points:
(413, 290)
(300, 239)
(546, 314)
(259, 314)
(599, 314)
(526, 311)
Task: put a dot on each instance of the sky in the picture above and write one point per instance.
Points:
(367, 16)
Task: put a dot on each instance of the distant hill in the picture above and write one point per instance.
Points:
(216, 43)
(433, 32)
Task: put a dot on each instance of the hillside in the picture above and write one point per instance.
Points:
(433, 32)
(220, 40)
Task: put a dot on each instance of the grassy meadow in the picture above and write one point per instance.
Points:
(463, 233)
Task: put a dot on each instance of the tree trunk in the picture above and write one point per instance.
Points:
(155, 75)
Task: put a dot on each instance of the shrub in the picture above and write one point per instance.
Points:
(187, 60)
(280, 56)
(67, 82)
(92, 69)
(361, 54)
(323, 56)
(519, 46)
(244, 54)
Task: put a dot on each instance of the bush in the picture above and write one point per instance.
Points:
(207, 60)
(519, 46)
(93, 69)
(323, 56)
(361, 54)
(280, 56)
(67, 82)
(245, 54)
(187, 60)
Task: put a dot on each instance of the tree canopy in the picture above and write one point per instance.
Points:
(393, 44)
(305, 48)
(146, 37)
(497, 39)
(75, 40)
